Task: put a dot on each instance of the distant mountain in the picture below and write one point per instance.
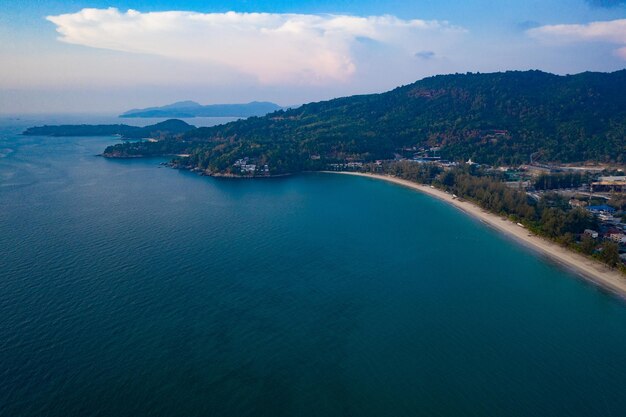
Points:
(190, 109)
(170, 127)
(497, 118)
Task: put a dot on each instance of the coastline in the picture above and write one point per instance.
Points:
(592, 271)
(206, 173)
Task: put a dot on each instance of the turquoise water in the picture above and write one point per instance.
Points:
(127, 289)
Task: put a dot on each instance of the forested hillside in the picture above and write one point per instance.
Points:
(498, 118)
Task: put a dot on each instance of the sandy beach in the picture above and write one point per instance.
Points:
(593, 271)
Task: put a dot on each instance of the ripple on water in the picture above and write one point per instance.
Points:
(4, 152)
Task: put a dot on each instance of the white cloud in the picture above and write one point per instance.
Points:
(273, 48)
(612, 31)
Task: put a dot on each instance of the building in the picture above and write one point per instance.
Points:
(608, 218)
(604, 208)
(591, 233)
(245, 165)
(577, 203)
(248, 168)
(346, 166)
(618, 237)
(613, 183)
(426, 159)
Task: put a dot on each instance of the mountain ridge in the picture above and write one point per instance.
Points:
(190, 109)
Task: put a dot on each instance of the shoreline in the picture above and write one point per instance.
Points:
(205, 173)
(588, 269)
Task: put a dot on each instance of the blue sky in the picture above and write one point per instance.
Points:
(66, 57)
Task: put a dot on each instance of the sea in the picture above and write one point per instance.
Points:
(131, 289)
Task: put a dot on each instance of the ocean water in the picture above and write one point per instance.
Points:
(129, 289)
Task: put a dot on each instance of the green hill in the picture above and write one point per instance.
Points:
(166, 128)
(498, 118)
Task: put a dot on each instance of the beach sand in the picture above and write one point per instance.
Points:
(589, 269)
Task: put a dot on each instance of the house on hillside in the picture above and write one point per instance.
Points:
(591, 233)
(618, 237)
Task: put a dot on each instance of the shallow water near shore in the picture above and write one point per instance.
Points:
(128, 289)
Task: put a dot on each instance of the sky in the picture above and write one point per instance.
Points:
(111, 56)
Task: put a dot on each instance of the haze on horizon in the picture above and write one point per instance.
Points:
(94, 56)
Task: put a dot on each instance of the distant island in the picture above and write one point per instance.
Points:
(167, 129)
(189, 109)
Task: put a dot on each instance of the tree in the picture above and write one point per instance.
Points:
(587, 244)
(552, 222)
(610, 253)
(567, 239)
(447, 178)
(577, 220)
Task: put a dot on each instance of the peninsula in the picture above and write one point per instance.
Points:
(168, 128)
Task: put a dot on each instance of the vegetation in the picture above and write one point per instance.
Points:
(610, 254)
(499, 118)
(145, 149)
(161, 130)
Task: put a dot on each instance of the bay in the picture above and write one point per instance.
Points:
(129, 289)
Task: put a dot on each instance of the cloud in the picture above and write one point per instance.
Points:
(612, 31)
(273, 48)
